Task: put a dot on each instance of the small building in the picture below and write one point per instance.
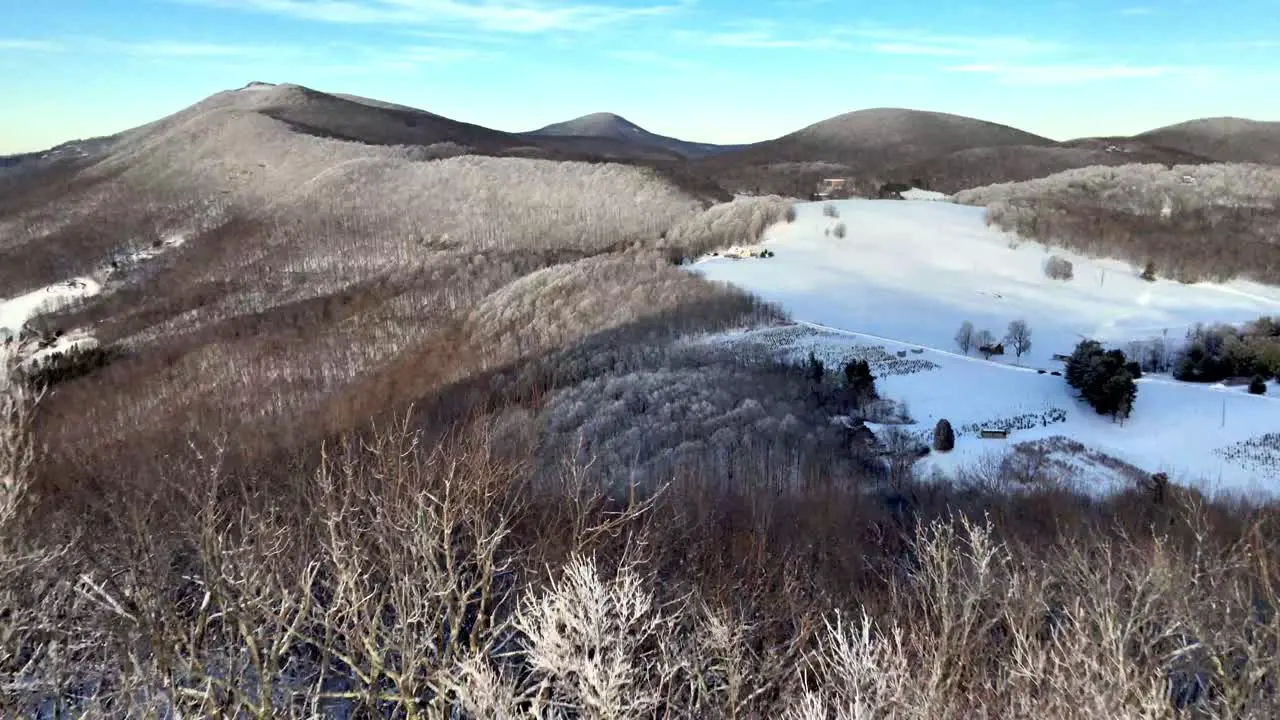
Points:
(993, 434)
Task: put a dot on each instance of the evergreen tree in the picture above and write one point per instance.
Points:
(1258, 385)
(1103, 378)
(815, 369)
(944, 436)
(1079, 361)
(859, 381)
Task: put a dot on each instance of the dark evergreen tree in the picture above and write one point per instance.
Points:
(944, 436)
(815, 369)
(1079, 362)
(1103, 378)
(859, 381)
(1149, 272)
(1258, 385)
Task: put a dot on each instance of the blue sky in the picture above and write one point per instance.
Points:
(709, 70)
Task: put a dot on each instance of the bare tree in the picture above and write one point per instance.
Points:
(964, 336)
(1019, 337)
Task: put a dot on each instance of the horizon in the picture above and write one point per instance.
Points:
(1062, 70)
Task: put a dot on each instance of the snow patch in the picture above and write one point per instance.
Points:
(918, 194)
(17, 311)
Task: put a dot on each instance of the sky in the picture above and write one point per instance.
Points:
(725, 71)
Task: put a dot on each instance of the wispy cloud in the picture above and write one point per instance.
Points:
(904, 41)
(762, 35)
(1136, 11)
(763, 41)
(655, 59)
(29, 45)
(511, 16)
(356, 58)
(181, 49)
(906, 48)
(1066, 74)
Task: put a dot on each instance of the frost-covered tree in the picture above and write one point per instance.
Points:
(1019, 337)
(1194, 222)
(965, 336)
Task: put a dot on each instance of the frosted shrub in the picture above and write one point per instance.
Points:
(839, 230)
(1058, 268)
(830, 211)
(590, 640)
(16, 451)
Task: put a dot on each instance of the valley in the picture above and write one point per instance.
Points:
(317, 405)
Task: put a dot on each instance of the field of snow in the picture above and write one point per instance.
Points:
(908, 273)
(16, 311)
(918, 194)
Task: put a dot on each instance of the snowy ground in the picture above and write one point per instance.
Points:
(918, 194)
(15, 312)
(909, 272)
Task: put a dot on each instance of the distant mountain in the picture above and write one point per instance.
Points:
(870, 147)
(879, 138)
(1222, 139)
(617, 128)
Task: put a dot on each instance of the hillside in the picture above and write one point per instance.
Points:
(1223, 139)
(329, 407)
(908, 273)
(617, 128)
(882, 137)
(1206, 221)
(348, 236)
(977, 167)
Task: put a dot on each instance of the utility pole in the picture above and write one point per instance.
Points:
(1224, 413)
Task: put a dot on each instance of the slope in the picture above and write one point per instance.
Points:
(909, 273)
(976, 167)
(1222, 139)
(880, 137)
(868, 147)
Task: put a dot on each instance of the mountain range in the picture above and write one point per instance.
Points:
(935, 150)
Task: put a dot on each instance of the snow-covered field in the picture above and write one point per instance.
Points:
(908, 273)
(16, 311)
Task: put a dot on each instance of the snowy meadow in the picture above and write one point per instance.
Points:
(903, 276)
